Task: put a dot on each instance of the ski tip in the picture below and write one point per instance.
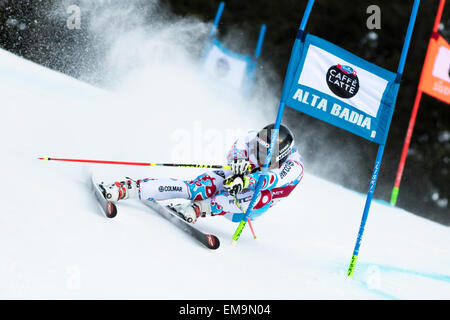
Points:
(213, 241)
(233, 242)
(111, 210)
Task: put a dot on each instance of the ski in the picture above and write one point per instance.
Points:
(109, 208)
(208, 240)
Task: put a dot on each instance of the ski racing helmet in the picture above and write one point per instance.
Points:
(281, 150)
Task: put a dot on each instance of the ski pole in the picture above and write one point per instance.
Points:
(251, 228)
(139, 163)
(248, 220)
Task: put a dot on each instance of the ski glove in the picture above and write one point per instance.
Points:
(236, 184)
(240, 167)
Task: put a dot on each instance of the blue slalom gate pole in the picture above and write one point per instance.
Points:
(369, 198)
(293, 60)
(274, 135)
(376, 169)
(213, 32)
(412, 21)
(306, 14)
(251, 70)
(262, 33)
(278, 120)
(217, 19)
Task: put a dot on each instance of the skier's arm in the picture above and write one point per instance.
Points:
(290, 173)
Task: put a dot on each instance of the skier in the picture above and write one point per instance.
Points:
(227, 192)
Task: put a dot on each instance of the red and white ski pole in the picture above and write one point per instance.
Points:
(128, 163)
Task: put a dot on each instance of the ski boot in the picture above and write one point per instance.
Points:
(191, 211)
(121, 190)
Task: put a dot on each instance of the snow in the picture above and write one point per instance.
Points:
(54, 243)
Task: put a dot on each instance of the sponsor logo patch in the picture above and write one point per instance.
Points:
(286, 168)
(170, 188)
(343, 81)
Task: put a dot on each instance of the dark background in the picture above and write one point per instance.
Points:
(32, 30)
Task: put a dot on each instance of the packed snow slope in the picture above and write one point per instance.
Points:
(54, 243)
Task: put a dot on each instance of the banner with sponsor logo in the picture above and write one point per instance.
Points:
(337, 87)
(435, 79)
(228, 67)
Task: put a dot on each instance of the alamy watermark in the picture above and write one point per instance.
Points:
(374, 20)
(73, 278)
(74, 19)
(202, 144)
(373, 277)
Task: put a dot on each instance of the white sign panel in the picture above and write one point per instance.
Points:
(441, 67)
(340, 79)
